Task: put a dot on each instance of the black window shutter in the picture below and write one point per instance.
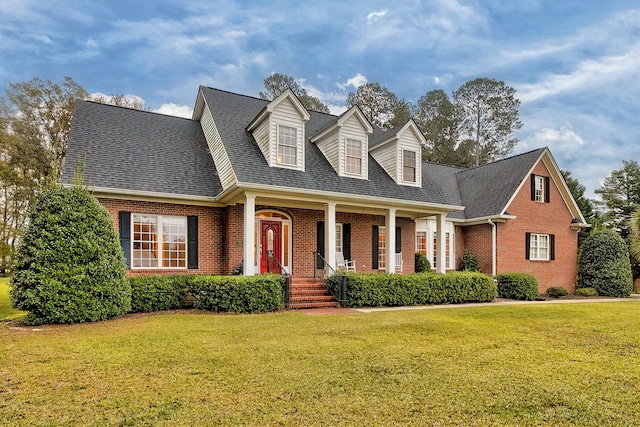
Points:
(398, 240)
(527, 248)
(374, 247)
(552, 246)
(192, 242)
(547, 189)
(320, 243)
(124, 221)
(346, 240)
(533, 187)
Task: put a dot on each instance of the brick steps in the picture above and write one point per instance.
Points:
(310, 293)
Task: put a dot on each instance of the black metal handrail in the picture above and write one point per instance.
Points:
(286, 278)
(320, 264)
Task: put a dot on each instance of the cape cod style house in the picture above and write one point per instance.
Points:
(263, 182)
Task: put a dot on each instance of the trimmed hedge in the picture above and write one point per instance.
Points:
(604, 265)
(586, 292)
(157, 293)
(238, 294)
(520, 286)
(422, 263)
(371, 290)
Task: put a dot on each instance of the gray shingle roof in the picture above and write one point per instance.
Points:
(232, 113)
(487, 189)
(140, 151)
(135, 150)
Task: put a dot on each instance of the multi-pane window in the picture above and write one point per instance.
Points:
(382, 248)
(539, 247)
(353, 157)
(421, 242)
(408, 166)
(159, 241)
(338, 237)
(447, 249)
(287, 145)
(539, 188)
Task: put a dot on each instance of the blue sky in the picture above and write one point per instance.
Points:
(574, 63)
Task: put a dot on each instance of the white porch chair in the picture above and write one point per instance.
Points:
(344, 264)
(399, 262)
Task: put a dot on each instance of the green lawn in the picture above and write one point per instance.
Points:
(575, 364)
(6, 311)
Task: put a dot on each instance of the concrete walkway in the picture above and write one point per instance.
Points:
(328, 311)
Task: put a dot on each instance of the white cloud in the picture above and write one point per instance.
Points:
(355, 81)
(588, 74)
(374, 16)
(172, 109)
(563, 139)
(436, 80)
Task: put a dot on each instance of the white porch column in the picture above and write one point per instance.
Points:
(330, 234)
(441, 244)
(390, 227)
(249, 233)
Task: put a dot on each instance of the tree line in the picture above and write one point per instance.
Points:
(472, 127)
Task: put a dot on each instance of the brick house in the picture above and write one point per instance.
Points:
(255, 181)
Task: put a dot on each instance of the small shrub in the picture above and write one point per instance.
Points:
(469, 262)
(519, 286)
(237, 294)
(586, 292)
(156, 293)
(604, 265)
(69, 266)
(422, 263)
(557, 292)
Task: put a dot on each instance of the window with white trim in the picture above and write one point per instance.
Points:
(287, 145)
(539, 188)
(339, 238)
(158, 241)
(421, 242)
(408, 166)
(539, 247)
(382, 248)
(353, 156)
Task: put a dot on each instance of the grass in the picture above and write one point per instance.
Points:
(6, 311)
(560, 365)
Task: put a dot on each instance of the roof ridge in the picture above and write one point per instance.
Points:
(89, 101)
(506, 158)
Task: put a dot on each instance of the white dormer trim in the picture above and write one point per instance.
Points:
(268, 109)
(351, 127)
(389, 153)
(285, 113)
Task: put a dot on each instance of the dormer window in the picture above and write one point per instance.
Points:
(353, 157)
(287, 145)
(409, 166)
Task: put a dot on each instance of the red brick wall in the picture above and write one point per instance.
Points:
(543, 218)
(477, 239)
(210, 236)
(304, 227)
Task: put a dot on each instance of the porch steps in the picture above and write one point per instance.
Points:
(310, 293)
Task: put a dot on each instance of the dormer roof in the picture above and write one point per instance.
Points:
(380, 137)
(340, 120)
(268, 109)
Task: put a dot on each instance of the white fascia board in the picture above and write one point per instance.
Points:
(343, 198)
(152, 196)
(360, 115)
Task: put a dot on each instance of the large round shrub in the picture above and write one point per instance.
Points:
(604, 265)
(69, 266)
(520, 286)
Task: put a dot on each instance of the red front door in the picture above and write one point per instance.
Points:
(270, 246)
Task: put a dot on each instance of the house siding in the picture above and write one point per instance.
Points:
(261, 135)
(285, 113)
(409, 141)
(387, 157)
(331, 149)
(544, 218)
(217, 150)
(211, 242)
(352, 129)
